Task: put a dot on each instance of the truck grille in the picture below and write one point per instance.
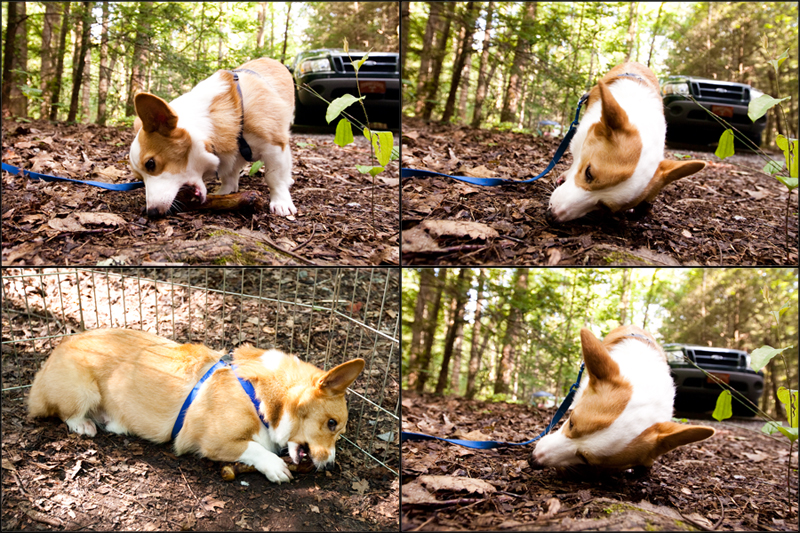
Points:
(726, 93)
(387, 64)
(714, 358)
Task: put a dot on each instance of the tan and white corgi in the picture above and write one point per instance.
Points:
(621, 416)
(618, 149)
(133, 382)
(180, 144)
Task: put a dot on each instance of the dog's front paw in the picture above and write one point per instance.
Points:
(82, 426)
(275, 469)
(282, 208)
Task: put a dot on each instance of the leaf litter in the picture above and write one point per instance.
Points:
(334, 225)
(734, 481)
(725, 215)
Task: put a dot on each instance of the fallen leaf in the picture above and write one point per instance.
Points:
(686, 233)
(478, 172)
(314, 509)
(107, 219)
(361, 486)
(553, 256)
(65, 224)
(111, 173)
(209, 503)
(454, 228)
(553, 506)
(415, 493)
(457, 484)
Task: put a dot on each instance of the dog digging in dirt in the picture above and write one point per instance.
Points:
(621, 415)
(618, 149)
(133, 382)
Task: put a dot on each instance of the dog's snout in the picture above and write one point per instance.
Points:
(550, 217)
(156, 212)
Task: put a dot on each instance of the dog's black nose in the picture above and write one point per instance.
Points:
(155, 212)
(550, 217)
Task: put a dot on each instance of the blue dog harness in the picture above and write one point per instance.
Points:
(246, 385)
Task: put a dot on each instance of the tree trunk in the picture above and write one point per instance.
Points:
(286, 31)
(519, 63)
(77, 81)
(262, 26)
(50, 29)
(16, 58)
(474, 355)
(459, 299)
(404, 24)
(656, 27)
(59, 74)
(483, 80)
(440, 48)
(465, 50)
(139, 59)
(104, 73)
(623, 297)
(430, 330)
(86, 85)
(221, 38)
(649, 298)
(426, 55)
(505, 366)
(427, 281)
(630, 38)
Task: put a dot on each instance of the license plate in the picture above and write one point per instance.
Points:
(724, 111)
(725, 378)
(374, 87)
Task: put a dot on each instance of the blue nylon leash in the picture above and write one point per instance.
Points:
(489, 444)
(46, 177)
(490, 182)
(246, 385)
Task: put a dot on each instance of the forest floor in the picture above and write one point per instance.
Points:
(728, 214)
(734, 481)
(68, 224)
(55, 480)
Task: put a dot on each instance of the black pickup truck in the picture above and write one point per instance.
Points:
(695, 392)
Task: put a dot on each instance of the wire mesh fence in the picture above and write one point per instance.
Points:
(324, 316)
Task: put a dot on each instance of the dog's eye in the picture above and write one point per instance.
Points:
(150, 166)
(589, 177)
(332, 424)
(571, 425)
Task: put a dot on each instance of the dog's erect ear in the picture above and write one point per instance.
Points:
(337, 379)
(669, 171)
(137, 125)
(598, 361)
(156, 114)
(613, 117)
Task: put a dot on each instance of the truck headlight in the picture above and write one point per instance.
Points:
(681, 88)
(315, 65)
(675, 357)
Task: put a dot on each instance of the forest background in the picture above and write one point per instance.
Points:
(503, 334)
(510, 65)
(84, 61)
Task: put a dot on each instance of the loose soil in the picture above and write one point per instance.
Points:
(46, 223)
(728, 214)
(734, 481)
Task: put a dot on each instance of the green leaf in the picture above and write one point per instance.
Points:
(723, 409)
(770, 427)
(773, 167)
(725, 148)
(777, 62)
(758, 107)
(791, 183)
(367, 169)
(761, 356)
(784, 309)
(357, 65)
(790, 150)
(395, 153)
(785, 396)
(255, 167)
(791, 433)
(383, 142)
(344, 133)
(339, 105)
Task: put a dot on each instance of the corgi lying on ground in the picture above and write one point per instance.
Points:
(621, 416)
(226, 120)
(618, 149)
(133, 382)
